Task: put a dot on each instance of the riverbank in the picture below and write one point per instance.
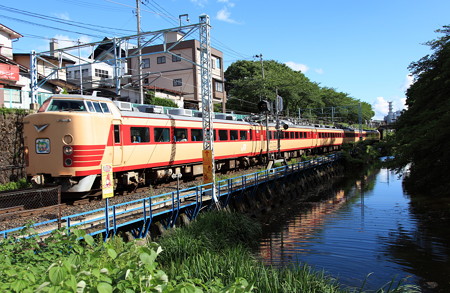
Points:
(219, 247)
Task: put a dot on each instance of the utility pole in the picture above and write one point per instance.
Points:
(138, 18)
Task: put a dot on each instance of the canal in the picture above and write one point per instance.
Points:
(365, 232)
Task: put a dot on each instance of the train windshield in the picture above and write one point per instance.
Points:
(66, 105)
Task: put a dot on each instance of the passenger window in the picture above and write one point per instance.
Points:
(243, 135)
(223, 134)
(196, 135)
(162, 135)
(139, 134)
(180, 134)
(234, 135)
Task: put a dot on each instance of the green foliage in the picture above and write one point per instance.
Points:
(21, 184)
(216, 249)
(246, 88)
(5, 111)
(152, 100)
(423, 129)
(64, 263)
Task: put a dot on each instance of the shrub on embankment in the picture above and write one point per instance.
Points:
(216, 247)
(64, 263)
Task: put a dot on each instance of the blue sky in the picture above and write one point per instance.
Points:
(362, 48)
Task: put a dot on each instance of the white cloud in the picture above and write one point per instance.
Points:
(63, 16)
(224, 15)
(381, 108)
(319, 70)
(297, 66)
(65, 41)
(409, 80)
(201, 3)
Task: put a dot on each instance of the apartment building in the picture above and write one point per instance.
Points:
(175, 74)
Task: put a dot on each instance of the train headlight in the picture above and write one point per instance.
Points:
(26, 153)
(68, 162)
(67, 139)
(67, 150)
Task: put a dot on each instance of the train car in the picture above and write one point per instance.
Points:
(71, 136)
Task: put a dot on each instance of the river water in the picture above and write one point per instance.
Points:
(366, 230)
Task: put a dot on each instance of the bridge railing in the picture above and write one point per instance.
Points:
(141, 212)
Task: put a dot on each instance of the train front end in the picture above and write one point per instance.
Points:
(66, 142)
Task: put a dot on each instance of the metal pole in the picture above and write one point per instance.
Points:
(81, 74)
(138, 18)
(207, 106)
(360, 121)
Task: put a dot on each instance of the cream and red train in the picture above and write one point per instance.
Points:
(71, 136)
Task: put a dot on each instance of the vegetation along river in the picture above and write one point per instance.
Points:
(365, 232)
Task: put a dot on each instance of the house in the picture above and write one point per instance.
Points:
(174, 74)
(10, 77)
(15, 73)
(96, 73)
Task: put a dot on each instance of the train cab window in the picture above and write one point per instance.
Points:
(105, 107)
(223, 134)
(180, 134)
(66, 105)
(97, 107)
(116, 133)
(162, 134)
(139, 134)
(292, 134)
(243, 135)
(90, 106)
(196, 134)
(234, 135)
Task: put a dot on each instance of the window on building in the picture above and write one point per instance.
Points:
(69, 74)
(218, 63)
(161, 60)
(139, 134)
(176, 58)
(145, 80)
(162, 134)
(218, 86)
(146, 63)
(101, 73)
(178, 82)
(85, 72)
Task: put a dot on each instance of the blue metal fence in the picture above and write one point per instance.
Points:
(141, 212)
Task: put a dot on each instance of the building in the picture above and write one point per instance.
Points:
(391, 117)
(174, 73)
(11, 78)
(96, 73)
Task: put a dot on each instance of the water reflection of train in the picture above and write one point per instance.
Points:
(72, 135)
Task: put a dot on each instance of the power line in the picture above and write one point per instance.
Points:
(66, 22)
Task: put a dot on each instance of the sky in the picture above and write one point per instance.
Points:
(359, 47)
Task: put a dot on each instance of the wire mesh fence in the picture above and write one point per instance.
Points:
(18, 208)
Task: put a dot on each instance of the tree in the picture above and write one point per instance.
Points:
(246, 87)
(423, 129)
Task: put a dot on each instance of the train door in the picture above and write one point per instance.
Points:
(256, 139)
(117, 143)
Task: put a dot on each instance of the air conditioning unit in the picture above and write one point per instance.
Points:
(180, 112)
(124, 106)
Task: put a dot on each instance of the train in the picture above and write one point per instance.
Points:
(71, 136)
